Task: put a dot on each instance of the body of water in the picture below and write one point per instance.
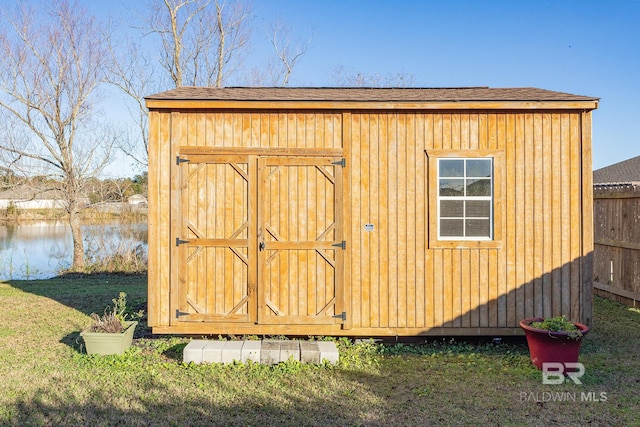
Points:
(42, 249)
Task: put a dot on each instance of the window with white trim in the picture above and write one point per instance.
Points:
(465, 198)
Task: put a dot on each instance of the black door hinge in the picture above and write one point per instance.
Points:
(179, 241)
(341, 162)
(179, 160)
(181, 313)
(342, 316)
(342, 245)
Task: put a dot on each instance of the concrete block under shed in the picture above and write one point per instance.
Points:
(267, 352)
(193, 351)
(251, 351)
(270, 352)
(328, 352)
(309, 352)
(232, 351)
(289, 349)
(212, 352)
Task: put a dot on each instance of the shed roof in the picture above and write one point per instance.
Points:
(455, 94)
(627, 171)
(269, 98)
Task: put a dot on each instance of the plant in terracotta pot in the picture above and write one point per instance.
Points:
(111, 333)
(553, 339)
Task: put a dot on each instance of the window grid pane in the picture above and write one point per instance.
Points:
(465, 199)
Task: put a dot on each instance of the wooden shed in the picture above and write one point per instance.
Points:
(368, 211)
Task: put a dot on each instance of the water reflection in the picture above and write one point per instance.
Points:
(41, 249)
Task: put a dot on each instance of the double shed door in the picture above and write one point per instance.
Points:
(258, 239)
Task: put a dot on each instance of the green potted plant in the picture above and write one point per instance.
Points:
(111, 333)
(554, 339)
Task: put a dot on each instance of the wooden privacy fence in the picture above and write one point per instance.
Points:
(616, 218)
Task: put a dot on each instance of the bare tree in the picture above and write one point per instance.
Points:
(202, 40)
(114, 190)
(202, 43)
(132, 72)
(344, 78)
(288, 54)
(51, 65)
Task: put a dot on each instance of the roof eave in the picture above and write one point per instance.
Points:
(216, 104)
(616, 189)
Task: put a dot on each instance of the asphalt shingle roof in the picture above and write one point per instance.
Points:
(627, 171)
(367, 94)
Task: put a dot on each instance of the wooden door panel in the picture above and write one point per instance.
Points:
(300, 283)
(258, 239)
(213, 240)
(300, 237)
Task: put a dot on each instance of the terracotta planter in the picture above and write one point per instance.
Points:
(548, 346)
(108, 343)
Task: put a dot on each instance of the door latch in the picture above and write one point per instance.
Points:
(261, 246)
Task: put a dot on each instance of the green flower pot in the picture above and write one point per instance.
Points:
(106, 343)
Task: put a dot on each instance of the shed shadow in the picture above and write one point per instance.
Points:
(547, 295)
(88, 293)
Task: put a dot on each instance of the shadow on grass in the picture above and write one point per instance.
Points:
(447, 384)
(91, 293)
(74, 340)
(175, 352)
(88, 293)
(454, 390)
(155, 403)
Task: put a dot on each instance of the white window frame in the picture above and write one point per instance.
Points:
(489, 198)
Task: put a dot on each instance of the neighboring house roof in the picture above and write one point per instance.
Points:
(621, 177)
(25, 192)
(625, 172)
(616, 187)
(367, 94)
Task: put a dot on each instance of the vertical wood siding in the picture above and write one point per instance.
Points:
(259, 130)
(160, 156)
(536, 270)
(394, 281)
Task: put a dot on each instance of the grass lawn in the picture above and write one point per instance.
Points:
(47, 379)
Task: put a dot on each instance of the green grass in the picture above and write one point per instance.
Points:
(47, 379)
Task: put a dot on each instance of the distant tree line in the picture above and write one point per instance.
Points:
(107, 190)
(116, 190)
